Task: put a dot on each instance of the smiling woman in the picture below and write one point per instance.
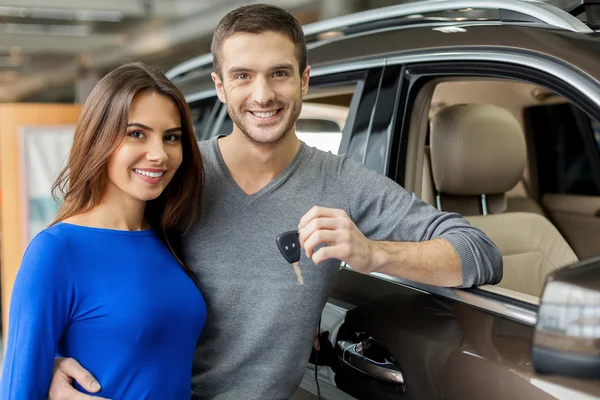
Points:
(150, 153)
(87, 287)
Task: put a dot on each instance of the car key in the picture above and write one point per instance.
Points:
(289, 246)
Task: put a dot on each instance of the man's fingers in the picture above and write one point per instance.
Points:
(317, 224)
(318, 212)
(327, 252)
(321, 237)
(61, 387)
(72, 369)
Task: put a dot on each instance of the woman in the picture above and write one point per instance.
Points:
(106, 283)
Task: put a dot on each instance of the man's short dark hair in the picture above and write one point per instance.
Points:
(259, 18)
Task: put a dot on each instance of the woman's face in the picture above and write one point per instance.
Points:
(147, 159)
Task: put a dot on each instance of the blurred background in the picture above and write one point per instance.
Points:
(55, 51)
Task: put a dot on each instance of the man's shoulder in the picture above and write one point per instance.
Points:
(205, 146)
(340, 164)
(321, 158)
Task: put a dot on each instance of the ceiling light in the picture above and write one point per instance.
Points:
(39, 29)
(55, 13)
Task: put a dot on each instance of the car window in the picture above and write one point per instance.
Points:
(561, 145)
(596, 129)
(561, 150)
(202, 112)
(323, 134)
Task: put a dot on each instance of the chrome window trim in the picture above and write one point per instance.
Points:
(189, 65)
(516, 313)
(347, 67)
(200, 95)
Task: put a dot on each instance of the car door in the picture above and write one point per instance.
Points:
(388, 338)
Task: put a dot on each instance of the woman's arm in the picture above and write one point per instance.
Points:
(42, 301)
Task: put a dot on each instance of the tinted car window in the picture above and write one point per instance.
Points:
(596, 129)
(226, 127)
(202, 112)
(560, 150)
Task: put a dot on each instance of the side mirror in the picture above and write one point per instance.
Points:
(566, 340)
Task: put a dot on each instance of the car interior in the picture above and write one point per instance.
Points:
(481, 158)
(485, 148)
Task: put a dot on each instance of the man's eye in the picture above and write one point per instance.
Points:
(241, 76)
(280, 74)
(136, 134)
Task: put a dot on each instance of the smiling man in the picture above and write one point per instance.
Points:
(261, 180)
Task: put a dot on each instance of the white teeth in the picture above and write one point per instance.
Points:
(150, 174)
(265, 114)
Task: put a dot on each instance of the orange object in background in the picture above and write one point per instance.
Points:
(12, 117)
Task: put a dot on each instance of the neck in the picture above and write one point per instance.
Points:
(253, 165)
(115, 211)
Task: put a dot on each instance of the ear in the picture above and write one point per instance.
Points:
(305, 78)
(219, 87)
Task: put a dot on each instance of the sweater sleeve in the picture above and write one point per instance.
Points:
(41, 305)
(383, 210)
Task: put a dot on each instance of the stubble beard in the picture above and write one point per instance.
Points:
(283, 129)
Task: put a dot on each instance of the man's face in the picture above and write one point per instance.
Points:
(261, 85)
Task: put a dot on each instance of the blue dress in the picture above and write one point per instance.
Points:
(116, 301)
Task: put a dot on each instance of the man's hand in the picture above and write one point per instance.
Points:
(434, 262)
(343, 240)
(65, 371)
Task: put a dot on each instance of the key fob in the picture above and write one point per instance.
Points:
(289, 246)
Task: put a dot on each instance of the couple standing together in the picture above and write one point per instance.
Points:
(162, 261)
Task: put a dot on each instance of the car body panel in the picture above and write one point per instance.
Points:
(438, 343)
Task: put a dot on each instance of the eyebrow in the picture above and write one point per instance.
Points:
(236, 69)
(138, 125)
(282, 66)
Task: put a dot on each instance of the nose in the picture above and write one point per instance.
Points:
(263, 93)
(156, 151)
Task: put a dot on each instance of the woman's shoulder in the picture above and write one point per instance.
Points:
(53, 239)
(61, 232)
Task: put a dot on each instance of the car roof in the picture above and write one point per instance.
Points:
(394, 31)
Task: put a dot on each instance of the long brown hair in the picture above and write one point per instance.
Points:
(101, 129)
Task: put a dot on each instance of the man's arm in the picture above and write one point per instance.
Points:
(388, 230)
(434, 262)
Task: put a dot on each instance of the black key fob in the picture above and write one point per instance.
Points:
(289, 246)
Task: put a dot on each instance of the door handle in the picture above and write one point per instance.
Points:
(352, 354)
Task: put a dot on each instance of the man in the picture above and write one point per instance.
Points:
(262, 181)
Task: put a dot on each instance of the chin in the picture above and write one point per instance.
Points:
(148, 196)
(267, 137)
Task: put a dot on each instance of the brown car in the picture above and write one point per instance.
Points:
(489, 109)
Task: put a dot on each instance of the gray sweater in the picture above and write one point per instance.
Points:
(261, 322)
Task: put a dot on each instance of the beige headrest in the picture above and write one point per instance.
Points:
(476, 149)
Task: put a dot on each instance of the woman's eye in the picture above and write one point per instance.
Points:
(172, 138)
(136, 134)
